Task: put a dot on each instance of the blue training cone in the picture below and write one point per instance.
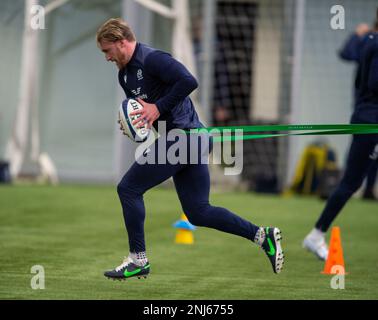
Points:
(184, 233)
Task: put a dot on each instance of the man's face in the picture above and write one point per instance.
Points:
(114, 52)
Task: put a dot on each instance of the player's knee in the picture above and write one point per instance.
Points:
(196, 220)
(124, 189)
(197, 215)
(121, 188)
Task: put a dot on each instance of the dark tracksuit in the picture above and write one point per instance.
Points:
(351, 51)
(364, 149)
(155, 77)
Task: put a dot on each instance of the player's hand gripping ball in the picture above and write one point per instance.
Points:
(126, 121)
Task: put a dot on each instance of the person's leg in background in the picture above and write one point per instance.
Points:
(359, 160)
(370, 182)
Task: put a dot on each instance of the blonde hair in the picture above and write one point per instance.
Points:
(115, 29)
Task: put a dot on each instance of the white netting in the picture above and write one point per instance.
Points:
(249, 53)
(276, 62)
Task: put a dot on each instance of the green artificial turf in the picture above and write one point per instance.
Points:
(77, 232)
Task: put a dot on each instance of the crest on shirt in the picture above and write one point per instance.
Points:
(125, 78)
(139, 74)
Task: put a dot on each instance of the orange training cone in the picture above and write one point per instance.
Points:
(335, 259)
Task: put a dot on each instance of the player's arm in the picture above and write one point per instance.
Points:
(352, 47)
(373, 72)
(162, 66)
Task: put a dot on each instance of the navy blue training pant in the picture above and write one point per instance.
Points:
(192, 184)
(371, 176)
(362, 156)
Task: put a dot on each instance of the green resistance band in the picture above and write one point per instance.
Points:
(235, 133)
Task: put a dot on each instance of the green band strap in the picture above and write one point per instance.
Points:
(235, 133)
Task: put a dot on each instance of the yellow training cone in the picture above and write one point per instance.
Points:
(184, 233)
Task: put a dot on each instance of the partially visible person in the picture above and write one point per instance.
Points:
(363, 153)
(351, 51)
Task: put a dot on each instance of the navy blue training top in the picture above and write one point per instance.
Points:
(352, 51)
(156, 77)
(367, 99)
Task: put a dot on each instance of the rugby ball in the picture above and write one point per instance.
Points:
(126, 120)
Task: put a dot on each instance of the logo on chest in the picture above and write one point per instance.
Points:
(137, 91)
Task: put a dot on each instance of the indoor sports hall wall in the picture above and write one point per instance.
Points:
(79, 94)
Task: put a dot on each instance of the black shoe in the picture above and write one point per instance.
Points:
(128, 269)
(272, 248)
(369, 195)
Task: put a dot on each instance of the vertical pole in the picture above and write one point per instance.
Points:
(286, 56)
(207, 63)
(300, 11)
(182, 46)
(182, 43)
(16, 147)
(34, 98)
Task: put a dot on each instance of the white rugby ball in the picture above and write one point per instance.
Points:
(125, 119)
